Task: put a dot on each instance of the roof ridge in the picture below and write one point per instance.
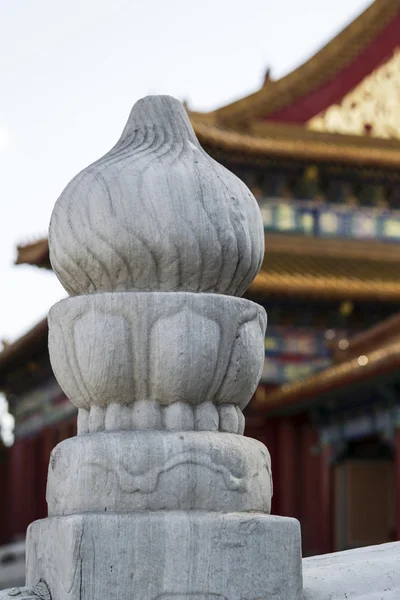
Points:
(331, 58)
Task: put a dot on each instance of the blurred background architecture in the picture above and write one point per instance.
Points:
(320, 150)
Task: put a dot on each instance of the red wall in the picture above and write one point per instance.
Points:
(27, 476)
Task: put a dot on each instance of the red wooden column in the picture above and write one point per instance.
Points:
(15, 487)
(310, 516)
(397, 482)
(4, 495)
(326, 506)
(286, 469)
(16, 494)
(22, 480)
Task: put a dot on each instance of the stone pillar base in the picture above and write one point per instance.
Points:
(167, 555)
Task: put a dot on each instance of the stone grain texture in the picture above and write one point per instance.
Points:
(167, 554)
(164, 347)
(135, 471)
(180, 221)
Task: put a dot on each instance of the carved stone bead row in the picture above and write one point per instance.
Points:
(147, 414)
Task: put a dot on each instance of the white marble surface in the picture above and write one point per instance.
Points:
(123, 348)
(167, 555)
(371, 573)
(159, 470)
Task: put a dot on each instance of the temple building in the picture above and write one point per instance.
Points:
(320, 150)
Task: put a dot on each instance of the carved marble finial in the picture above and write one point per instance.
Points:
(159, 496)
(156, 213)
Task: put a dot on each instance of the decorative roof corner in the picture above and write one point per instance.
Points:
(34, 253)
(281, 99)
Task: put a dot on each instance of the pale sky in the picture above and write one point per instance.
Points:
(72, 69)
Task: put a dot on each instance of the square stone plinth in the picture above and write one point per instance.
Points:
(167, 556)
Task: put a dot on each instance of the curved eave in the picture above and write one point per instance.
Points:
(36, 253)
(324, 288)
(324, 147)
(380, 335)
(379, 362)
(351, 47)
(327, 269)
(22, 349)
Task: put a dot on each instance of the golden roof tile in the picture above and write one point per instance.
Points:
(296, 143)
(328, 277)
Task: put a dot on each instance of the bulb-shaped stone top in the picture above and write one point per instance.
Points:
(156, 213)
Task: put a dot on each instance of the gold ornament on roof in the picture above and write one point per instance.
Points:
(370, 109)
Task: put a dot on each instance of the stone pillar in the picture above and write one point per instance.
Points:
(159, 496)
